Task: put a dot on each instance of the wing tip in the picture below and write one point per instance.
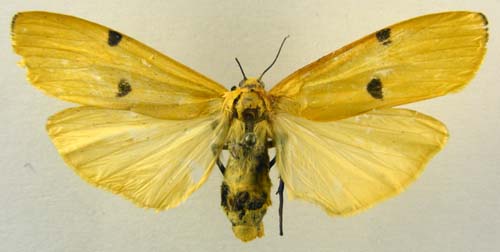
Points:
(13, 21)
(485, 25)
(485, 19)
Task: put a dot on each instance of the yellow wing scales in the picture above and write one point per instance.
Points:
(348, 165)
(338, 144)
(154, 162)
(151, 129)
(417, 59)
(83, 62)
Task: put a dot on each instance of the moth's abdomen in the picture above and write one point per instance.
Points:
(246, 188)
(245, 195)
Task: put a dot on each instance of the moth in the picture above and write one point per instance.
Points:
(151, 129)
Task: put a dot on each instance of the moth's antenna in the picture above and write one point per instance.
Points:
(241, 68)
(269, 67)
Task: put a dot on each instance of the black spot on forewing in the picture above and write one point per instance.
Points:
(383, 36)
(114, 38)
(374, 88)
(123, 88)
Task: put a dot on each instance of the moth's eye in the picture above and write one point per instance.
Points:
(262, 83)
(233, 88)
(241, 83)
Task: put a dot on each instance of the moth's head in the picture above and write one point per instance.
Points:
(251, 83)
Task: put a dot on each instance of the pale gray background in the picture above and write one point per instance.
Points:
(454, 206)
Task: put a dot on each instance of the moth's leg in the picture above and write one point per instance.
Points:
(219, 163)
(221, 166)
(272, 162)
(270, 144)
(223, 126)
(281, 189)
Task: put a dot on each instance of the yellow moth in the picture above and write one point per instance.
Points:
(152, 129)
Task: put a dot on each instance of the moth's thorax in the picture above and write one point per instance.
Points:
(249, 101)
(246, 187)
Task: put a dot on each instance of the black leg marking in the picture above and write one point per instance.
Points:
(123, 88)
(221, 166)
(383, 36)
(374, 88)
(281, 189)
(272, 162)
(114, 38)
